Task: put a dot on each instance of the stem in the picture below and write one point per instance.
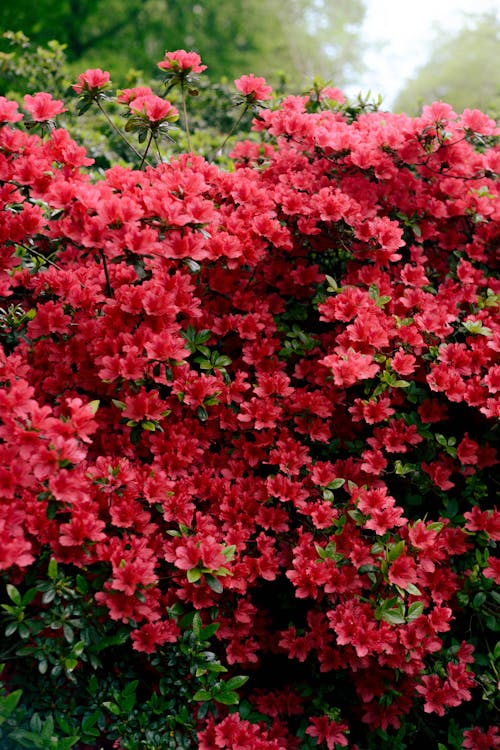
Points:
(185, 114)
(235, 125)
(109, 288)
(160, 158)
(147, 149)
(119, 132)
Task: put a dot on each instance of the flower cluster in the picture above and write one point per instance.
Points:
(267, 396)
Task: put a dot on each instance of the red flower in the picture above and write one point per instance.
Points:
(182, 62)
(493, 569)
(42, 107)
(153, 634)
(154, 108)
(476, 739)
(325, 730)
(8, 111)
(253, 88)
(128, 95)
(92, 81)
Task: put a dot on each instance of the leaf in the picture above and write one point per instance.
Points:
(393, 617)
(68, 633)
(202, 695)
(52, 569)
(209, 631)
(193, 575)
(202, 414)
(214, 583)
(112, 707)
(93, 406)
(228, 699)
(336, 484)
(8, 704)
(10, 629)
(415, 610)
(236, 682)
(395, 551)
(197, 625)
(412, 589)
(14, 594)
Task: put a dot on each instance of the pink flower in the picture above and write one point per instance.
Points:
(493, 569)
(181, 61)
(154, 108)
(128, 95)
(92, 80)
(254, 88)
(153, 634)
(8, 111)
(331, 732)
(476, 739)
(333, 94)
(42, 107)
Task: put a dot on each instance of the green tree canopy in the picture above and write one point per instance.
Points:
(302, 37)
(463, 70)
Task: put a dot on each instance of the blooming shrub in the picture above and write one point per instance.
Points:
(247, 433)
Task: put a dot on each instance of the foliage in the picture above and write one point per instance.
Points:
(265, 36)
(462, 70)
(249, 429)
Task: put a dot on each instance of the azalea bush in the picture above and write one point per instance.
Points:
(249, 427)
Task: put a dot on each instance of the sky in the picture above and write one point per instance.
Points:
(399, 35)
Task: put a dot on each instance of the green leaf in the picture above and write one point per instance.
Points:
(24, 631)
(81, 584)
(48, 596)
(112, 707)
(412, 589)
(336, 484)
(415, 610)
(14, 594)
(236, 682)
(68, 633)
(202, 695)
(90, 721)
(11, 628)
(209, 631)
(52, 569)
(202, 414)
(94, 405)
(197, 625)
(228, 699)
(29, 596)
(193, 575)
(395, 551)
(394, 617)
(8, 704)
(214, 583)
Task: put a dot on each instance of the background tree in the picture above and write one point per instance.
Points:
(303, 37)
(463, 70)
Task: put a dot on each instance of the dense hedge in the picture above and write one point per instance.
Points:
(248, 422)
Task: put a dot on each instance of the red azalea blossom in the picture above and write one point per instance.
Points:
(155, 109)
(42, 107)
(476, 739)
(8, 111)
(325, 730)
(181, 61)
(91, 81)
(216, 444)
(253, 87)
